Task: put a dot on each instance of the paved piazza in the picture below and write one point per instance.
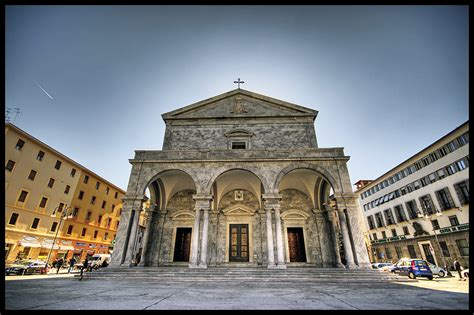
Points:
(55, 292)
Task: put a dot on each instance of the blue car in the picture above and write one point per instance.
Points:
(412, 267)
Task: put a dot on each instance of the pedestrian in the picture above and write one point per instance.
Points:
(84, 266)
(72, 262)
(55, 262)
(457, 266)
(59, 264)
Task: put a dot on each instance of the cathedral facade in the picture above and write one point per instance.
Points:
(241, 181)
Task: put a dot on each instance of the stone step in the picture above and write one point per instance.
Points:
(254, 279)
(178, 274)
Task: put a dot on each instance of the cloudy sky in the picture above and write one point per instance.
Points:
(93, 81)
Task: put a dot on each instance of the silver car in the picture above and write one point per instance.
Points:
(441, 272)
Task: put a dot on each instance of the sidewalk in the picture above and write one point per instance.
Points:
(129, 294)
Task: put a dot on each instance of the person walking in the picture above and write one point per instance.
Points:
(457, 267)
(59, 264)
(72, 262)
(84, 266)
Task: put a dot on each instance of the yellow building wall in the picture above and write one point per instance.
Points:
(17, 180)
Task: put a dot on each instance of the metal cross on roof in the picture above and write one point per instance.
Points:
(238, 82)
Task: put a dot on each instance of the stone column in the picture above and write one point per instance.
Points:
(270, 252)
(263, 235)
(158, 259)
(346, 240)
(279, 239)
(320, 246)
(194, 242)
(202, 202)
(205, 228)
(272, 202)
(120, 247)
(356, 221)
(132, 240)
(146, 237)
(333, 226)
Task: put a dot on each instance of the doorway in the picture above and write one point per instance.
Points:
(428, 253)
(296, 245)
(239, 242)
(183, 244)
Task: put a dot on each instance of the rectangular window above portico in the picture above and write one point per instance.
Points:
(238, 145)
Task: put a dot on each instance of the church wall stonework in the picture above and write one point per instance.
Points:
(269, 136)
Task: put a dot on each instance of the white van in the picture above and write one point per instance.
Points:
(97, 260)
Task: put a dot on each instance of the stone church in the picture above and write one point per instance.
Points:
(241, 181)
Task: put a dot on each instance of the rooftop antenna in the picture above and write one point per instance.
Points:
(7, 114)
(17, 111)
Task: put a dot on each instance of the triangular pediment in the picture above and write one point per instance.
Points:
(239, 103)
(294, 214)
(238, 210)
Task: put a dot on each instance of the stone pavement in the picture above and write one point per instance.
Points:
(66, 292)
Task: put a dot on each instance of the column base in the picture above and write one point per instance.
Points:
(141, 264)
(365, 266)
(194, 266)
(204, 266)
(352, 266)
(272, 266)
(282, 266)
(340, 265)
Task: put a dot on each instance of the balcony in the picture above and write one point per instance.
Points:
(453, 229)
(389, 239)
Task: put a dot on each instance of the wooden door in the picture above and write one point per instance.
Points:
(428, 254)
(183, 244)
(239, 242)
(296, 245)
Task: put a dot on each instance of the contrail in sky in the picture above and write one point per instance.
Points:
(43, 90)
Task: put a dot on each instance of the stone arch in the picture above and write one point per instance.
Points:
(148, 181)
(322, 171)
(254, 171)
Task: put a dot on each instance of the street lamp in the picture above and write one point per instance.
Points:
(429, 216)
(63, 215)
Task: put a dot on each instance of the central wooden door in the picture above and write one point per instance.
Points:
(296, 245)
(239, 242)
(183, 244)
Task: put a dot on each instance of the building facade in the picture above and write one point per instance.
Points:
(241, 181)
(40, 182)
(420, 208)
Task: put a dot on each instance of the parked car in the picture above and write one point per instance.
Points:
(412, 267)
(99, 260)
(387, 267)
(441, 272)
(26, 267)
(380, 266)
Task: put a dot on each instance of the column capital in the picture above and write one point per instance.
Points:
(271, 201)
(207, 197)
(134, 202)
(202, 201)
(268, 197)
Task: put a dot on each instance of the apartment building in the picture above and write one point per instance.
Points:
(53, 205)
(420, 208)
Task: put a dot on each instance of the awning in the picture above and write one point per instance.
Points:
(43, 245)
(66, 247)
(29, 244)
